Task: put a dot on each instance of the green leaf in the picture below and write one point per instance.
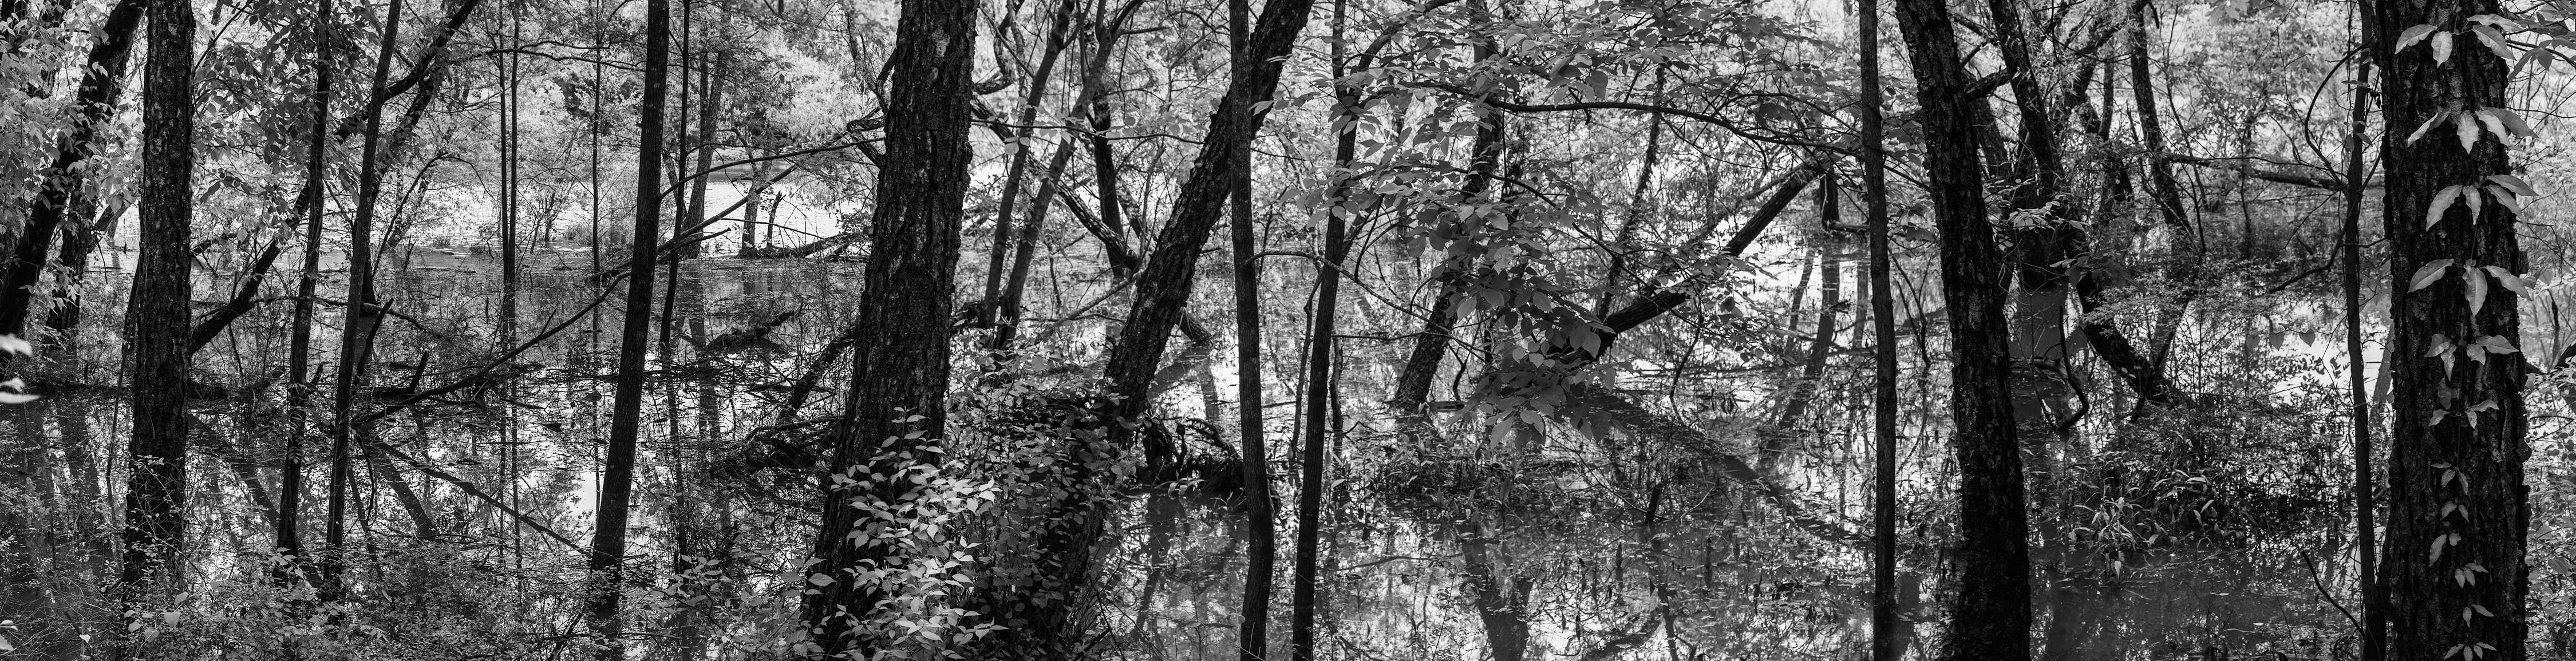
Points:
(2430, 272)
(2441, 47)
(2468, 131)
(2498, 344)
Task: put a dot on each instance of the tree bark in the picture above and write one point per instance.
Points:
(1887, 627)
(156, 494)
(1261, 548)
(65, 188)
(358, 326)
(2374, 617)
(895, 415)
(2458, 510)
(1990, 619)
(299, 345)
(1163, 288)
(607, 562)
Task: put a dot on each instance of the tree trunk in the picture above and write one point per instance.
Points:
(1990, 620)
(2458, 442)
(1261, 550)
(607, 562)
(2374, 617)
(65, 188)
(894, 417)
(156, 496)
(1163, 288)
(1887, 627)
(299, 346)
(357, 330)
(1022, 144)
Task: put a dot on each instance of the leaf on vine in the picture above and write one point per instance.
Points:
(2494, 40)
(2506, 277)
(2477, 203)
(2510, 182)
(2498, 344)
(2506, 198)
(2441, 47)
(2412, 35)
(2468, 131)
(2487, 118)
(2420, 131)
(2430, 272)
(2441, 203)
(2476, 291)
(2513, 124)
(2538, 54)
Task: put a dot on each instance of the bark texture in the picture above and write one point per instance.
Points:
(2455, 576)
(1990, 619)
(156, 494)
(895, 411)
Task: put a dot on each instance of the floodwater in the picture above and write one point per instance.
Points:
(1599, 545)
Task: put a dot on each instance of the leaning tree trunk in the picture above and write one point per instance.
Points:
(2455, 578)
(895, 415)
(158, 454)
(65, 189)
(1163, 288)
(607, 561)
(1990, 619)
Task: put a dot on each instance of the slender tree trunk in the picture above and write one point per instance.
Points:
(64, 188)
(1261, 548)
(2374, 615)
(299, 344)
(358, 328)
(2458, 427)
(2185, 243)
(895, 416)
(156, 496)
(607, 563)
(509, 321)
(1886, 626)
(1990, 619)
(1484, 156)
(1022, 144)
(1319, 429)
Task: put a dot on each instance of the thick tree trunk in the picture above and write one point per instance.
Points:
(2458, 510)
(158, 454)
(607, 562)
(895, 414)
(1990, 619)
